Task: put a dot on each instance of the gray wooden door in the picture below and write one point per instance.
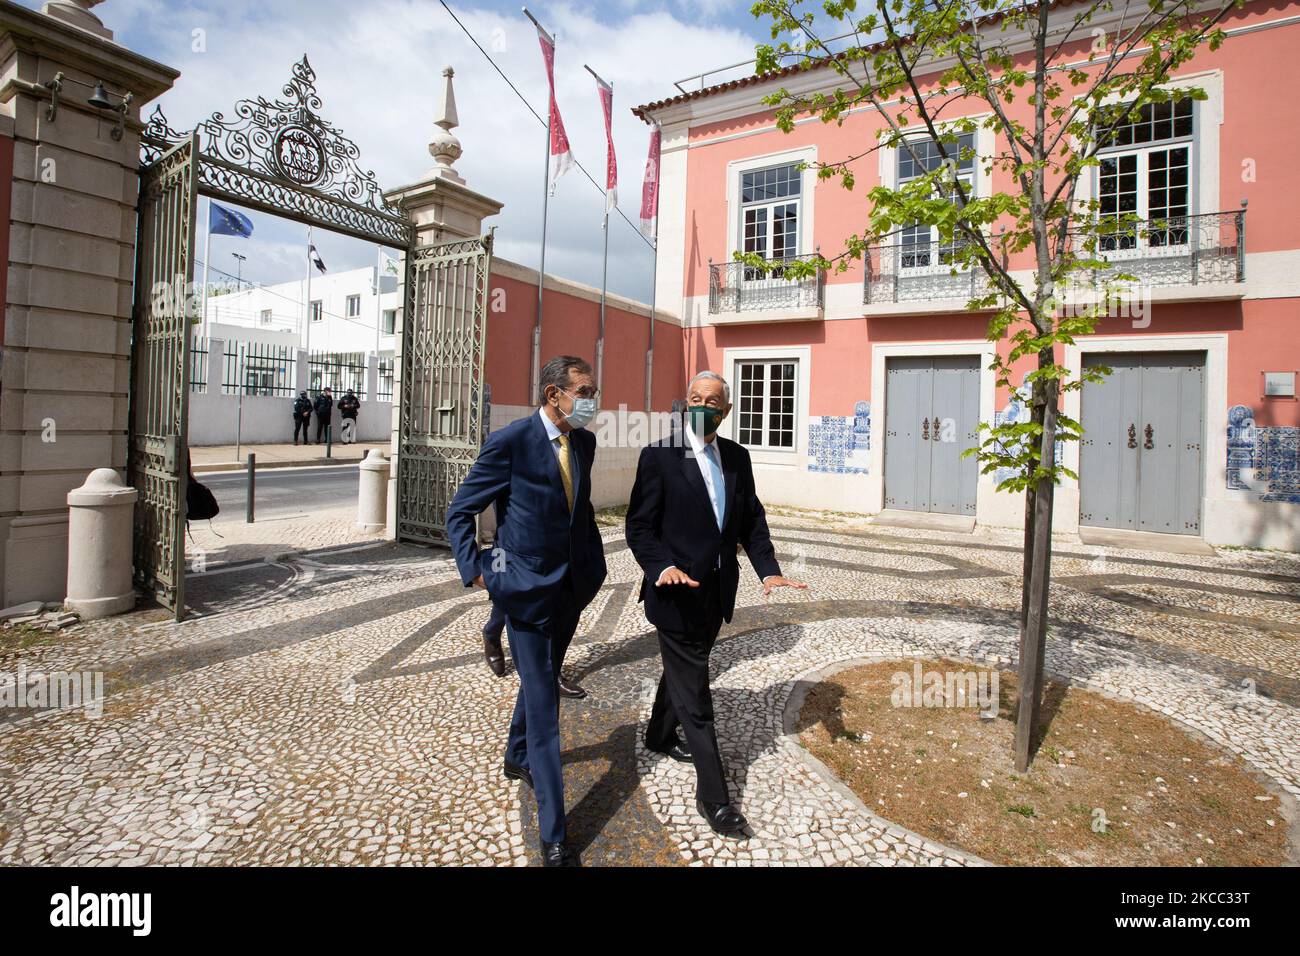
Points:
(1140, 462)
(931, 417)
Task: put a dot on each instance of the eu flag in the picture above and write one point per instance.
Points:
(227, 222)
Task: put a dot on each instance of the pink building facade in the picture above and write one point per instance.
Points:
(843, 386)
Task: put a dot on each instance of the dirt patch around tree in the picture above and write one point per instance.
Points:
(1112, 784)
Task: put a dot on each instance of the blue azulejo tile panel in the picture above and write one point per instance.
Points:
(1262, 461)
(1017, 411)
(838, 444)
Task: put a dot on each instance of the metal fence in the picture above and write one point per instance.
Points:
(384, 389)
(199, 363)
(338, 371)
(258, 368)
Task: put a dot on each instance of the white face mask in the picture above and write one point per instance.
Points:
(584, 410)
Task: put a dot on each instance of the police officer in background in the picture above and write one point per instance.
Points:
(349, 405)
(324, 407)
(302, 418)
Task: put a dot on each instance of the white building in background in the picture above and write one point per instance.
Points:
(353, 311)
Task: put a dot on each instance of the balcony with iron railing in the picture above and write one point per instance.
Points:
(1185, 257)
(1205, 249)
(742, 293)
(920, 271)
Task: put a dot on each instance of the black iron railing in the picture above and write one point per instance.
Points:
(918, 271)
(199, 363)
(737, 287)
(258, 368)
(1177, 250)
(338, 371)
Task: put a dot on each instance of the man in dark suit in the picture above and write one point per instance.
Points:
(547, 564)
(693, 502)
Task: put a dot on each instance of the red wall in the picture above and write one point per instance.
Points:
(569, 325)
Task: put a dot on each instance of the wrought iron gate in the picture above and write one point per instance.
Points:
(278, 156)
(444, 337)
(160, 366)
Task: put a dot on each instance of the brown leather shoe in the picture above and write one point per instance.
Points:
(570, 689)
(496, 658)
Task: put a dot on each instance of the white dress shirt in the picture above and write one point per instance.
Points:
(553, 433)
(701, 451)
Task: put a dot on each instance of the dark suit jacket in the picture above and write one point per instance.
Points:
(538, 541)
(670, 522)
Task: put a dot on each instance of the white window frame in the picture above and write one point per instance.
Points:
(770, 206)
(1142, 249)
(353, 300)
(385, 328)
(981, 177)
(317, 310)
(265, 316)
(765, 414)
(801, 356)
(1207, 118)
(807, 185)
(970, 178)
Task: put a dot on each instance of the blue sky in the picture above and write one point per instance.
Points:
(378, 67)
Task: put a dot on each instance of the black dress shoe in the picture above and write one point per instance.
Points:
(570, 689)
(496, 657)
(677, 750)
(516, 772)
(723, 817)
(557, 854)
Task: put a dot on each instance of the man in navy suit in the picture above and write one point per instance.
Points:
(693, 503)
(547, 565)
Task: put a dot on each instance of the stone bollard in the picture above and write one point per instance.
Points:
(372, 499)
(100, 514)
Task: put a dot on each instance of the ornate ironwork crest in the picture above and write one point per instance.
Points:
(283, 156)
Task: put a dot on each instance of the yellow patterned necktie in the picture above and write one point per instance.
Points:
(566, 475)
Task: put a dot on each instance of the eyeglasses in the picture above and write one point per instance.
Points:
(587, 391)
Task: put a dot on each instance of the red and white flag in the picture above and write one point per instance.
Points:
(561, 158)
(650, 189)
(611, 163)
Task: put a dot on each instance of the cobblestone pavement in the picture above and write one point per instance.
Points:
(335, 708)
(229, 539)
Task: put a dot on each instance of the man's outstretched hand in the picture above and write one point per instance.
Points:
(774, 581)
(478, 582)
(676, 576)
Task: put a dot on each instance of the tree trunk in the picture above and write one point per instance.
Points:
(1038, 558)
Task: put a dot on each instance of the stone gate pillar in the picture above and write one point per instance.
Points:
(70, 258)
(442, 208)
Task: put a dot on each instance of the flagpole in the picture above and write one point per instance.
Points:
(604, 269)
(654, 285)
(541, 267)
(207, 257)
(650, 352)
(379, 305)
(307, 311)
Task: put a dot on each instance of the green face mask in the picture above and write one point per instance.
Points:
(704, 419)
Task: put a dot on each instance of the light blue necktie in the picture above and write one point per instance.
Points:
(711, 453)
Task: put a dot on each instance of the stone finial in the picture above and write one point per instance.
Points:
(78, 13)
(445, 148)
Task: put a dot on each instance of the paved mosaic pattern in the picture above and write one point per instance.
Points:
(335, 708)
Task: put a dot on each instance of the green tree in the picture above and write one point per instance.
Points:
(943, 71)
